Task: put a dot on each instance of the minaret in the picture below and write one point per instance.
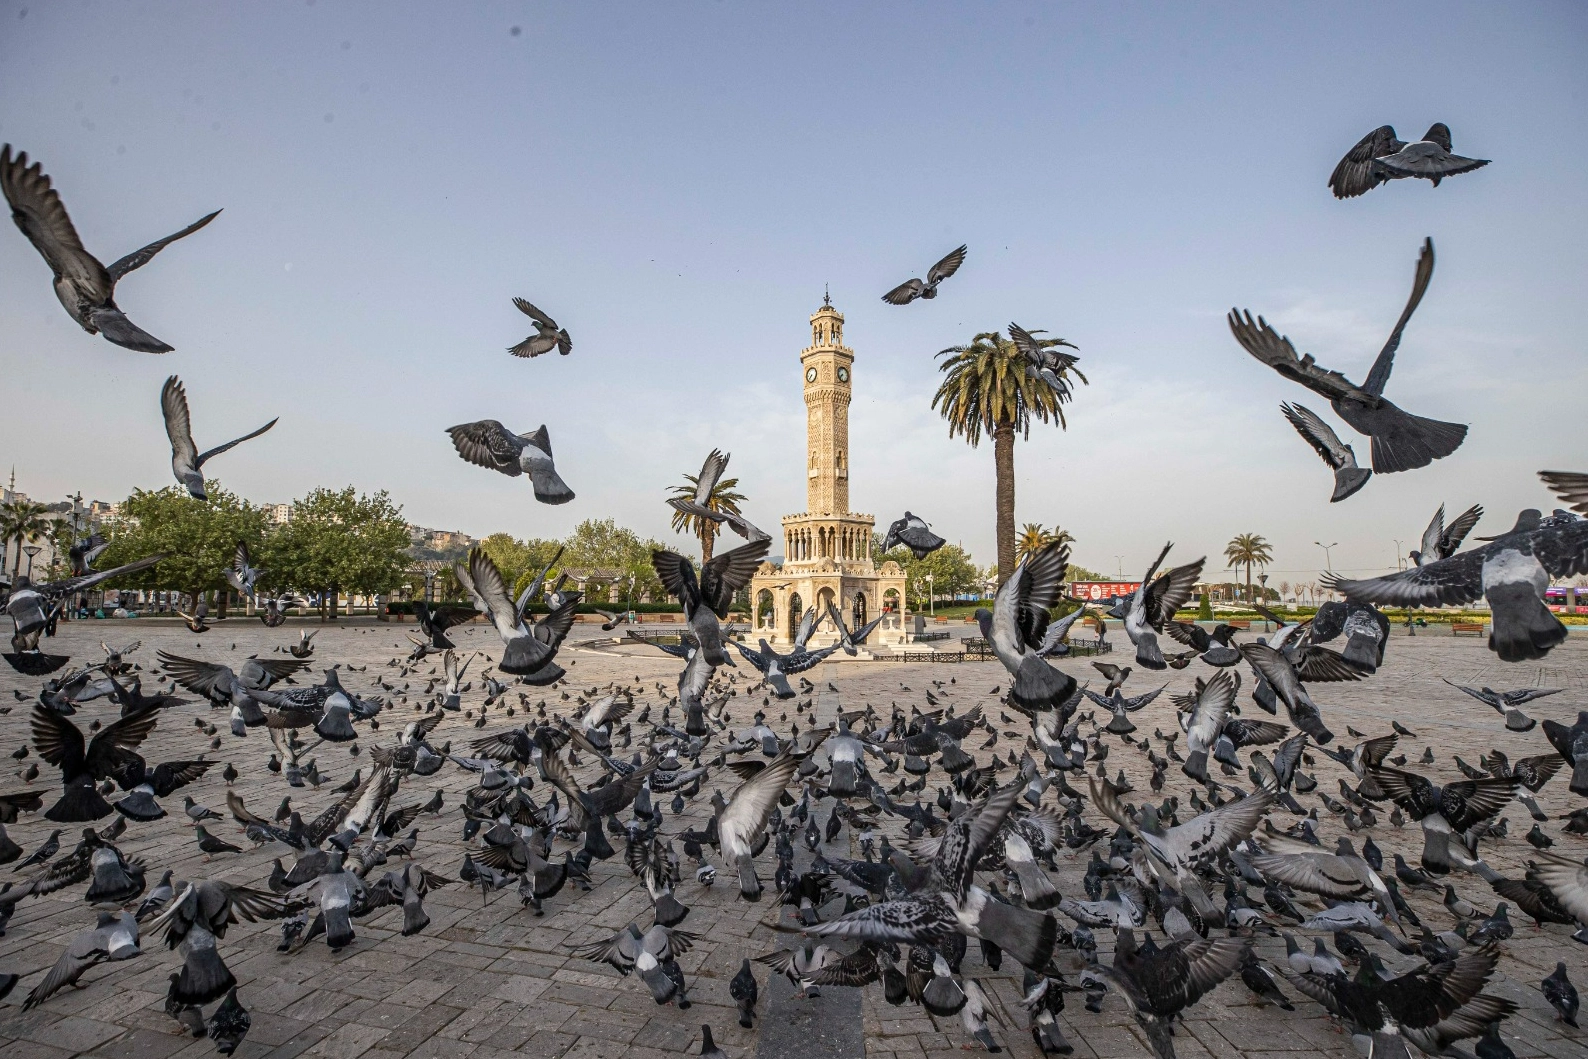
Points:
(827, 364)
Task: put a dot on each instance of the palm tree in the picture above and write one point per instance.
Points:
(22, 521)
(1248, 550)
(723, 498)
(1034, 535)
(987, 389)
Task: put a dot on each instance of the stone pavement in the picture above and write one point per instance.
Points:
(489, 978)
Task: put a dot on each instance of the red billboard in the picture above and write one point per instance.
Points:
(1097, 591)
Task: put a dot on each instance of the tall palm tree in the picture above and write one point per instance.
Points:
(986, 389)
(723, 498)
(1034, 536)
(22, 521)
(1248, 550)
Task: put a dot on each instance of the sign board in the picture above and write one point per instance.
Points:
(1097, 591)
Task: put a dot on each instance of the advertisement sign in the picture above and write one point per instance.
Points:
(1097, 591)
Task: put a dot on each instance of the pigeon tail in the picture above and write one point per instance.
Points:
(338, 928)
(1196, 765)
(1148, 653)
(79, 804)
(1027, 935)
(670, 911)
(749, 882)
(1038, 686)
(841, 783)
(204, 978)
(1347, 482)
(1404, 442)
(1523, 626)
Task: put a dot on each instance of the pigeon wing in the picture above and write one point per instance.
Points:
(37, 210)
(1320, 435)
(178, 425)
(725, 574)
(535, 314)
(710, 472)
(218, 449)
(1570, 486)
(904, 293)
(1379, 374)
(1269, 346)
(139, 258)
(947, 266)
(1458, 579)
(488, 444)
(1170, 592)
(485, 584)
(1355, 174)
(1458, 529)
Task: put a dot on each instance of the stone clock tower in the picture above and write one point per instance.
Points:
(828, 365)
(827, 547)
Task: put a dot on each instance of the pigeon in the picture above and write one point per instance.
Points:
(109, 754)
(34, 606)
(210, 844)
(1401, 441)
(1562, 995)
(743, 818)
(547, 337)
(1440, 541)
(848, 639)
(1146, 610)
(910, 290)
(242, 574)
(1016, 626)
(82, 554)
(706, 599)
(1341, 458)
(1446, 812)
(113, 937)
(527, 650)
(1512, 572)
(1159, 983)
(1379, 158)
(705, 485)
(229, 1024)
(186, 461)
(744, 991)
(913, 532)
(489, 444)
(1505, 703)
(85, 287)
(1044, 361)
(653, 954)
(195, 918)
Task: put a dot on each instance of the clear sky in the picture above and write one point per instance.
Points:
(676, 182)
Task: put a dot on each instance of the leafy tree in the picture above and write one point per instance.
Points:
(1248, 550)
(338, 540)
(723, 498)
(603, 544)
(1033, 536)
(21, 521)
(199, 537)
(951, 568)
(986, 389)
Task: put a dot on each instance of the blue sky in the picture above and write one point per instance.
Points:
(676, 183)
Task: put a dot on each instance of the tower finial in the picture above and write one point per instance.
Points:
(827, 298)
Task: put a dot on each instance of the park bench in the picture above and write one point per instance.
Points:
(1459, 627)
(1239, 623)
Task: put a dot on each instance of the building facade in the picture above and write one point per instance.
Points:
(827, 547)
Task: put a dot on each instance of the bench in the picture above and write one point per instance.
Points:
(1239, 623)
(1459, 627)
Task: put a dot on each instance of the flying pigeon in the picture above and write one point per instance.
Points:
(547, 337)
(1379, 158)
(1401, 441)
(186, 461)
(1441, 541)
(490, 444)
(1348, 477)
(912, 532)
(908, 291)
(84, 286)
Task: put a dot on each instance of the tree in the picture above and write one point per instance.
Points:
(603, 544)
(951, 568)
(1248, 550)
(723, 498)
(199, 537)
(1033, 536)
(21, 521)
(987, 389)
(338, 539)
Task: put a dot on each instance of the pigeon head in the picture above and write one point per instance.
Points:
(984, 620)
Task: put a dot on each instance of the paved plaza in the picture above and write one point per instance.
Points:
(489, 978)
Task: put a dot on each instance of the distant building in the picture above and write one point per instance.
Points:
(277, 514)
(425, 542)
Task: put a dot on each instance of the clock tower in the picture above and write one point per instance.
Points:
(827, 547)
(828, 365)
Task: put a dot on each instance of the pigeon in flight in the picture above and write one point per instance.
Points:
(1512, 572)
(33, 608)
(490, 444)
(1016, 626)
(705, 482)
(84, 552)
(1154, 602)
(527, 649)
(1505, 703)
(1348, 477)
(186, 461)
(1043, 359)
(1401, 441)
(849, 639)
(85, 287)
(908, 291)
(1441, 541)
(1380, 157)
(708, 598)
(243, 573)
(547, 337)
(912, 532)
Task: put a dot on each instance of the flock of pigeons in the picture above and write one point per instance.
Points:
(1212, 872)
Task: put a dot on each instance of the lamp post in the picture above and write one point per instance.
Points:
(1328, 560)
(1262, 590)
(1400, 560)
(931, 595)
(30, 550)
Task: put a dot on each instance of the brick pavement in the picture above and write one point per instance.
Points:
(488, 978)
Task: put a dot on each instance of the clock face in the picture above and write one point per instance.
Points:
(843, 374)
(810, 375)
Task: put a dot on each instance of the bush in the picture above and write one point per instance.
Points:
(1205, 608)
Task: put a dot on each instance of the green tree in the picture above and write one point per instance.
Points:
(951, 567)
(199, 537)
(338, 540)
(723, 498)
(1248, 550)
(603, 544)
(986, 389)
(21, 521)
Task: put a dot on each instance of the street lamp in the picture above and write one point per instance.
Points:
(31, 550)
(1399, 560)
(1328, 561)
(931, 595)
(1119, 562)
